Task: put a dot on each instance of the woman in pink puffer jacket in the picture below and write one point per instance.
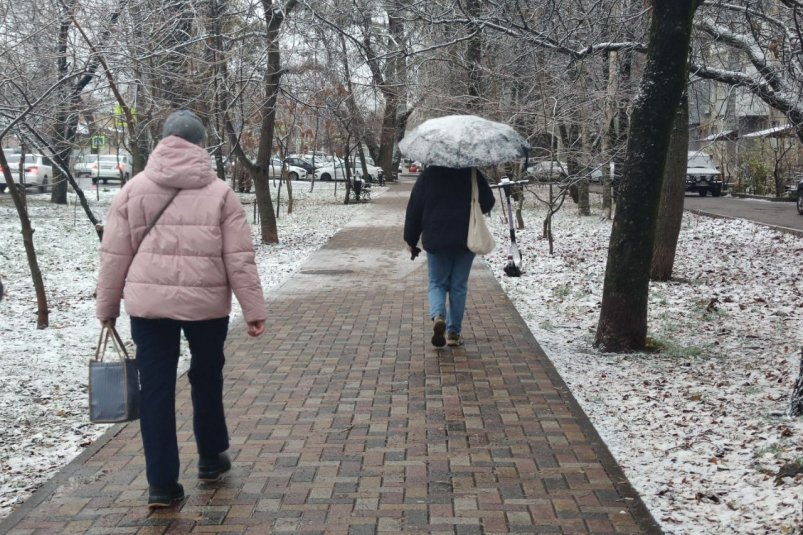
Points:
(179, 279)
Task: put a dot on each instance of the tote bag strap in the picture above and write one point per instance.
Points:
(110, 332)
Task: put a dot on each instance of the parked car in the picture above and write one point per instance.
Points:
(337, 171)
(702, 175)
(293, 172)
(82, 165)
(374, 171)
(319, 157)
(800, 196)
(595, 176)
(306, 165)
(38, 171)
(106, 167)
(549, 171)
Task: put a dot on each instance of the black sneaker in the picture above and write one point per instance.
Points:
(165, 496)
(438, 330)
(211, 468)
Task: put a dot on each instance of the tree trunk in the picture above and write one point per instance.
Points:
(62, 137)
(401, 127)
(796, 407)
(612, 66)
(18, 196)
(583, 203)
(388, 139)
(623, 318)
(621, 122)
(267, 215)
(518, 196)
(66, 124)
(474, 59)
(390, 84)
(670, 209)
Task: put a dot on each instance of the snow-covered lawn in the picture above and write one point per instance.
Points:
(43, 418)
(701, 426)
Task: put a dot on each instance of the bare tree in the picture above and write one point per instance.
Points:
(623, 317)
(767, 38)
(670, 209)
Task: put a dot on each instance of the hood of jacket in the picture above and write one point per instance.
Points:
(177, 163)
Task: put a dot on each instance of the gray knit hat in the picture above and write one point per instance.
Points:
(186, 125)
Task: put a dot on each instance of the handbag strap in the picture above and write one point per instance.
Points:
(110, 332)
(155, 219)
(474, 187)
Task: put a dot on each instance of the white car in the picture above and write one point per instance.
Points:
(549, 171)
(38, 171)
(105, 167)
(556, 170)
(337, 171)
(293, 172)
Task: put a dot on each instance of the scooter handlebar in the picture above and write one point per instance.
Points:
(507, 183)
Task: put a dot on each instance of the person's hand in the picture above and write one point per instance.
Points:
(413, 250)
(256, 328)
(109, 322)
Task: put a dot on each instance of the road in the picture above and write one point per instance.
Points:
(780, 214)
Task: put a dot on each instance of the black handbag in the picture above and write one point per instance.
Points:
(113, 384)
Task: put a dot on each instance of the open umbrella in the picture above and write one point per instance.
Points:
(463, 141)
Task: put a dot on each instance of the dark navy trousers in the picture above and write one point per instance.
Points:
(157, 343)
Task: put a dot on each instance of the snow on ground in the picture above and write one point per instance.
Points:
(43, 414)
(701, 426)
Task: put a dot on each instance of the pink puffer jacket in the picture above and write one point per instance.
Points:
(198, 252)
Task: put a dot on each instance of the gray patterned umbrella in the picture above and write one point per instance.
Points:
(463, 141)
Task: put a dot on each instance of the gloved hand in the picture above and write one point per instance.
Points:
(414, 251)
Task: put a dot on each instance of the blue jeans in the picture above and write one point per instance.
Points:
(157, 343)
(448, 273)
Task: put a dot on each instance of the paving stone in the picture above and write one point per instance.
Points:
(344, 421)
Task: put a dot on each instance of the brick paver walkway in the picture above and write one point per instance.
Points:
(344, 421)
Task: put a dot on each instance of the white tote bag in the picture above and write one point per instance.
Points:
(479, 240)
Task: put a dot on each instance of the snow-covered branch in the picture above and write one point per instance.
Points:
(754, 52)
(785, 102)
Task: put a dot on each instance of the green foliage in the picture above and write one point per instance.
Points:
(755, 174)
(562, 291)
(670, 349)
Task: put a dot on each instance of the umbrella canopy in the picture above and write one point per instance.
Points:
(463, 141)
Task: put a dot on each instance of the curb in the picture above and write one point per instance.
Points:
(65, 473)
(785, 230)
(762, 197)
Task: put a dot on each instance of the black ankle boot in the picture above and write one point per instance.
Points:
(211, 468)
(165, 496)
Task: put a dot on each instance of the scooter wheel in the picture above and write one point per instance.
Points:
(511, 270)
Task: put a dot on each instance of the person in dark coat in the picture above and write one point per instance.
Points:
(438, 214)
